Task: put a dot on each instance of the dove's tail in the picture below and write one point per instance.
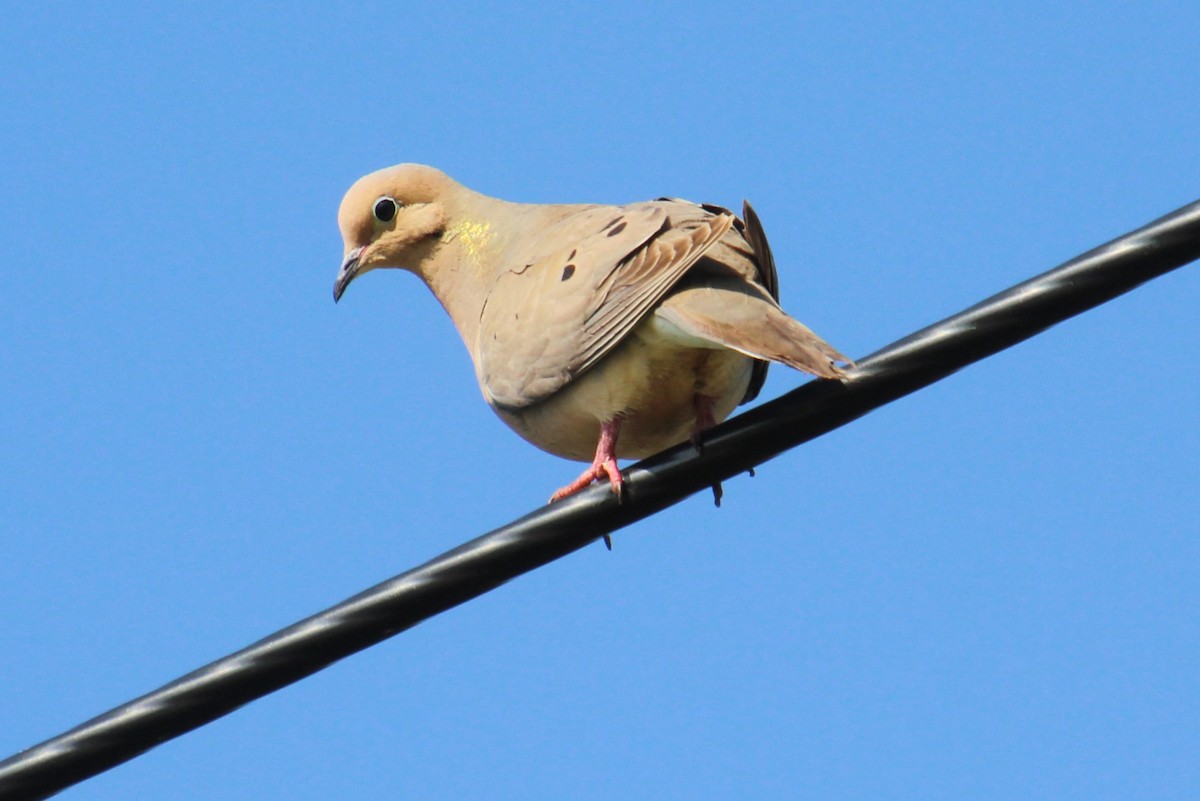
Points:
(736, 317)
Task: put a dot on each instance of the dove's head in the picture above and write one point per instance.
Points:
(392, 218)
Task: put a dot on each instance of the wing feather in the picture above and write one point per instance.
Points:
(588, 282)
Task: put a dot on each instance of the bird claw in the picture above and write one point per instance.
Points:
(605, 469)
(603, 466)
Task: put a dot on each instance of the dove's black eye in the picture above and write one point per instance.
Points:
(384, 209)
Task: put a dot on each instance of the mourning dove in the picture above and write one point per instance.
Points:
(595, 330)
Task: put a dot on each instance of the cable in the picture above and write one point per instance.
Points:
(554, 531)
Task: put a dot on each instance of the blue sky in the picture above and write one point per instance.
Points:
(990, 589)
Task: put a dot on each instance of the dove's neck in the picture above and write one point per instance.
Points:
(484, 239)
(461, 288)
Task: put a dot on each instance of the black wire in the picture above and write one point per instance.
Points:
(553, 531)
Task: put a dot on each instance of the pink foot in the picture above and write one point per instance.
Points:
(604, 465)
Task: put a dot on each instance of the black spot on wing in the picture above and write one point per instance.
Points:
(568, 271)
(618, 229)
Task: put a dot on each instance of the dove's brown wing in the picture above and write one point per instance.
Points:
(590, 279)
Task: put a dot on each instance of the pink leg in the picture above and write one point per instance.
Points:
(603, 465)
(704, 417)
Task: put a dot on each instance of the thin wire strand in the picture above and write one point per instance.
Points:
(554, 531)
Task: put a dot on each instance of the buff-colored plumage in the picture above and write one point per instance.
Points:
(593, 329)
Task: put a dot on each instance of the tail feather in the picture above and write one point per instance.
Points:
(792, 343)
(741, 319)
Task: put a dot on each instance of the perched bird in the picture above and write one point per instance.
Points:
(595, 330)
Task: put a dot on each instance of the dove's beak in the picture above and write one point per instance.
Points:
(347, 273)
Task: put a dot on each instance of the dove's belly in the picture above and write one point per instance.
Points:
(651, 380)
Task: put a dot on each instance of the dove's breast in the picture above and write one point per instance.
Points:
(651, 380)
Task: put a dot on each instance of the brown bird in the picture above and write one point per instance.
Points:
(595, 330)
